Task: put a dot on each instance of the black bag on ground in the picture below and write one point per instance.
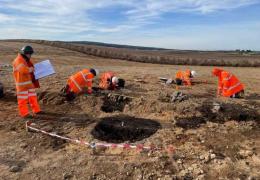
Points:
(178, 81)
(1, 90)
(121, 83)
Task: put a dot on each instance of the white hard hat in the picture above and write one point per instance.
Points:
(193, 73)
(115, 80)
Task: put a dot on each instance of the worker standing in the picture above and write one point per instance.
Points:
(184, 77)
(228, 84)
(109, 81)
(23, 72)
(80, 82)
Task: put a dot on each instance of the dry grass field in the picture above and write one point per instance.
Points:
(173, 57)
(208, 145)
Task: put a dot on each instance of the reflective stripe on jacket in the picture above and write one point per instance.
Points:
(229, 84)
(80, 80)
(105, 81)
(22, 74)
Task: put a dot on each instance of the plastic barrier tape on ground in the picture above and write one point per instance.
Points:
(93, 145)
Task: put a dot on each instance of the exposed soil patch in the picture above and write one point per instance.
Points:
(52, 98)
(14, 165)
(218, 113)
(60, 122)
(253, 96)
(114, 103)
(228, 112)
(119, 129)
(190, 122)
(9, 97)
(53, 143)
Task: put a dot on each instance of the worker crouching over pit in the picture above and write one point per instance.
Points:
(109, 81)
(23, 71)
(185, 77)
(81, 82)
(228, 84)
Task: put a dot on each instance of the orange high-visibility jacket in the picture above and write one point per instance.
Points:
(80, 80)
(184, 76)
(22, 74)
(228, 84)
(106, 80)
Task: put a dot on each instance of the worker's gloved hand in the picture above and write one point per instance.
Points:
(89, 91)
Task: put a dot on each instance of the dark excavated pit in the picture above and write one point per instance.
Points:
(228, 112)
(114, 102)
(218, 113)
(120, 129)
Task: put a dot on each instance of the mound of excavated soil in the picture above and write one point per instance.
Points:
(112, 103)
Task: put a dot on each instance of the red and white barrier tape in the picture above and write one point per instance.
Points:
(139, 147)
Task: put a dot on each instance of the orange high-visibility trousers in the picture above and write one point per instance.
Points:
(27, 97)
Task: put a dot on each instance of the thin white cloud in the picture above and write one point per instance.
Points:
(74, 14)
(149, 8)
(60, 15)
(5, 18)
(64, 19)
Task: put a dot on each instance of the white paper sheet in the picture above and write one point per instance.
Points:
(43, 69)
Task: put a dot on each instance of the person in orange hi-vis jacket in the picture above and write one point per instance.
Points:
(184, 77)
(109, 81)
(23, 72)
(80, 82)
(228, 84)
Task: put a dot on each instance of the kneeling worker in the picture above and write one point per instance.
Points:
(184, 77)
(108, 81)
(228, 84)
(81, 82)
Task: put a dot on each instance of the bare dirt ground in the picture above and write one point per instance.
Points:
(209, 145)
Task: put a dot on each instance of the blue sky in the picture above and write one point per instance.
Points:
(176, 24)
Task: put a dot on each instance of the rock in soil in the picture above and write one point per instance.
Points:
(15, 168)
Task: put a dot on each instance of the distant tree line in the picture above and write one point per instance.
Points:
(158, 57)
(248, 51)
